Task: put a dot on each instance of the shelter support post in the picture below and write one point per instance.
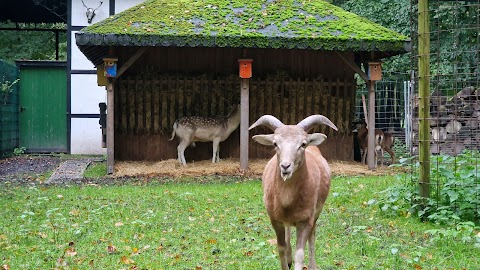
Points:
(110, 127)
(424, 98)
(371, 126)
(244, 106)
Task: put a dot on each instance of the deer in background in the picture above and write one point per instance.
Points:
(383, 142)
(193, 129)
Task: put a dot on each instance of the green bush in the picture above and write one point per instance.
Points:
(454, 195)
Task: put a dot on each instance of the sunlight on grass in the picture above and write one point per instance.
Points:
(207, 226)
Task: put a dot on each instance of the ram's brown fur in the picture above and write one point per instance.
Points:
(296, 183)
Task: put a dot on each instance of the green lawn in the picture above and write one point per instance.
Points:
(187, 225)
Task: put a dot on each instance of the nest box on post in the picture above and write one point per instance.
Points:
(110, 67)
(245, 68)
(375, 71)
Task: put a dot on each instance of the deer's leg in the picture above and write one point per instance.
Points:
(312, 265)
(181, 152)
(281, 244)
(392, 155)
(381, 157)
(364, 156)
(216, 150)
(304, 230)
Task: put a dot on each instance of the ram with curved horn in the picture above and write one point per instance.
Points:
(295, 183)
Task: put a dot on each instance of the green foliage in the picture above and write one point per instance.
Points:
(19, 151)
(392, 14)
(31, 45)
(455, 190)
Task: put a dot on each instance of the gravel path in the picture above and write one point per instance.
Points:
(69, 170)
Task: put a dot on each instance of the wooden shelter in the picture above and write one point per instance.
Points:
(180, 58)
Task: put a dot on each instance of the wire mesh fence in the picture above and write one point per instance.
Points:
(9, 114)
(390, 111)
(454, 118)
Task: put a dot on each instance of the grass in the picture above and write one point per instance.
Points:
(96, 170)
(188, 225)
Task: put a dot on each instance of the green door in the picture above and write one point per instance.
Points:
(43, 107)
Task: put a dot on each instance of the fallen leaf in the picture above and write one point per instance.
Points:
(61, 262)
(126, 260)
(119, 224)
(198, 267)
(70, 252)
(272, 242)
(211, 241)
(249, 253)
(418, 267)
(111, 249)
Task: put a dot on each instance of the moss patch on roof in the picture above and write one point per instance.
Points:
(245, 23)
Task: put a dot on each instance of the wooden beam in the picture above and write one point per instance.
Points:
(131, 60)
(353, 66)
(371, 126)
(110, 127)
(244, 107)
(424, 99)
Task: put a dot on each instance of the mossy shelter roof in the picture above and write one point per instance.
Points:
(316, 25)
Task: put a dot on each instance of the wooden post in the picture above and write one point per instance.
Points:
(110, 127)
(244, 106)
(424, 98)
(371, 126)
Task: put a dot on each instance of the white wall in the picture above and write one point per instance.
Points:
(122, 5)
(86, 94)
(86, 135)
(79, 60)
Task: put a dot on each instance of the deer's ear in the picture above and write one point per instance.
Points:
(264, 139)
(316, 138)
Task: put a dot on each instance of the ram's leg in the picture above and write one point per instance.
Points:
(304, 230)
(281, 244)
(288, 236)
(312, 265)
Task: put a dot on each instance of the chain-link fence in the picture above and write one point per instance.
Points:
(9, 117)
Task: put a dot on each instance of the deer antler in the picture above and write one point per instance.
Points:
(101, 2)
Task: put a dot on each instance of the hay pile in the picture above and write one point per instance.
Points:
(226, 167)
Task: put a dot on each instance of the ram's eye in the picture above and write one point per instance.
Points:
(304, 145)
(275, 144)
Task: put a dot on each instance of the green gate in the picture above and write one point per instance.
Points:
(43, 106)
(8, 109)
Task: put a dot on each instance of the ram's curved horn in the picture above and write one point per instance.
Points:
(267, 120)
(308, 123)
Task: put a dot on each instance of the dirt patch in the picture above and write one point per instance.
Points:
(25, 168)
(227, 167)
(35, 170)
